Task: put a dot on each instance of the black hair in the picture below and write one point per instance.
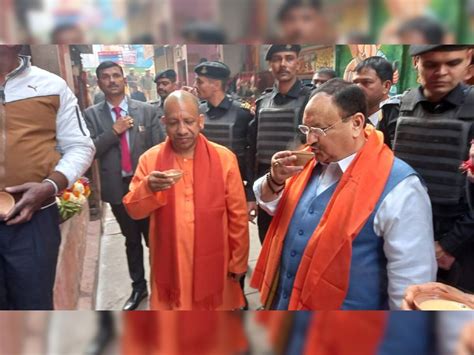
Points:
(106, 65)
(382, 67)
(431, 29)
(331, 73)
(348, 97)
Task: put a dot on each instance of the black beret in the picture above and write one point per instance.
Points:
(417, 49)
(166, 74)
(213, 70)
(275, 48)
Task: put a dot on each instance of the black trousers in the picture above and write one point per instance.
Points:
(263, 222)
(133, 230)
(28, 258)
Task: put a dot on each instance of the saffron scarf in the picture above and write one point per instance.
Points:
(322, 280)
(346, 332)
(209, 209)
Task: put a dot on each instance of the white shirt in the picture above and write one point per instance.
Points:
(124, 107)
(375, 117)
(404, 220)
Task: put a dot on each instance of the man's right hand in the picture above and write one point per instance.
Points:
(190, 89)
(158, 181)
(283, 166)
(33, 195)
(122, 125)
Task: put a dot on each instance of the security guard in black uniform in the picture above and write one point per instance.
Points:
(433, 133)
(227, 120)
(165, 84)
(278, 113)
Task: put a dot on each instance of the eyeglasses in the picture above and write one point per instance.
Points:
(320, 132)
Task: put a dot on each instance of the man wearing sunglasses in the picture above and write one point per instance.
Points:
(352, 228)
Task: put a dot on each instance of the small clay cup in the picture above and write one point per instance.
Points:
(302, 157)
(175, 174)
(6, 202)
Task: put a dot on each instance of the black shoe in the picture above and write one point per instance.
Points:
(246, 306)
(100, 342)
(134, 301)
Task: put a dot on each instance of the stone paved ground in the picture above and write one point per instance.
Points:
(114, 285)
(70, 332)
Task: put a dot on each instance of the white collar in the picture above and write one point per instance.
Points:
(375, 117)
(123, 105)
(343, 164)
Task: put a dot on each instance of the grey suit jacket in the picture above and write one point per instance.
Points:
(145, 133)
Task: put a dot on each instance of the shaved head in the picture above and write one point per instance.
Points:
(180, 99)
(183, 121)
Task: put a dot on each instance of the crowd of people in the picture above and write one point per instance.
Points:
(378, 211)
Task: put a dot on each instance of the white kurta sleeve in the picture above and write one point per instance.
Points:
(404, 220)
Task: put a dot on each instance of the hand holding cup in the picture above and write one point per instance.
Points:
(163, 180)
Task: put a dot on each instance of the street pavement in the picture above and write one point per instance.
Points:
(70, 332)
(114, 284)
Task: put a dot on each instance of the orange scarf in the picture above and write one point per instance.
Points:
(209, 209)
(322, 279)
(345, 332)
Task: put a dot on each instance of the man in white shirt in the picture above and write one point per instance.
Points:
(375, 76)
(352, 228)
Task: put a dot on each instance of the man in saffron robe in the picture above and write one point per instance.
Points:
(199, 241)
(178, 333)
(352, 228)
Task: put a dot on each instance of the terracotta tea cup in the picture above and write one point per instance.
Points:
(6, 202)
(302, 157)
(175, 174)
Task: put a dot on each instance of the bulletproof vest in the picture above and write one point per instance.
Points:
(277, 125)
(435, 146)
(222, 130)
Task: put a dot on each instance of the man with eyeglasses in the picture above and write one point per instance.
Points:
(433, 134)
(277, 115)
(351, 228)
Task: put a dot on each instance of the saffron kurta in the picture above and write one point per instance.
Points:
(141, 202)
(183, 333)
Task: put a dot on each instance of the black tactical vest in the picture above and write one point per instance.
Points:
(278, 125)
(435, 146)
(222, 130)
